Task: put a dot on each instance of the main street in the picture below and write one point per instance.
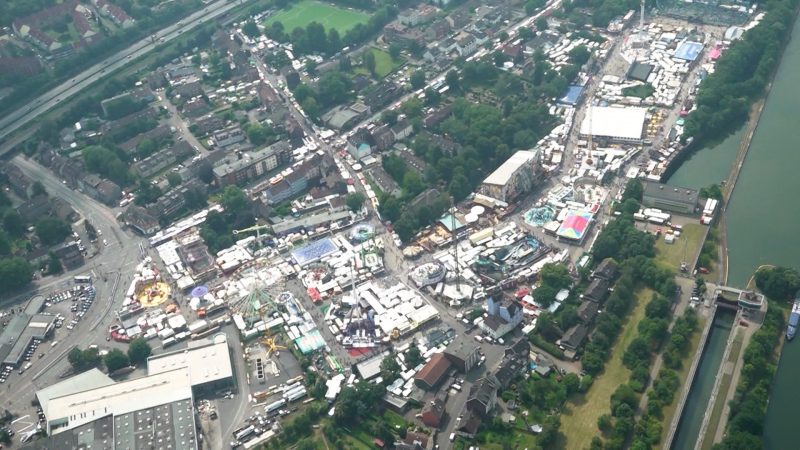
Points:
(82, 81)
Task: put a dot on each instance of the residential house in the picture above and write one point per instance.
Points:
(437, 116)
(606, 270)
(195, 107)
(433, 412)
(359, 144)
(510, 368)
(157, 162)
(402, 129)
(413, 162)
(504, 316)
(399, 34)
(433, 372)
(384, 181)
(414, 440)
(140, 220)
(470, 423)
(437, 30)
(463, 355)
(520, 349)
(466, 44)
(574, 337)
(597, 291)
(19, 182)
(207, 125)
(247, 166)
(458, 19)
(417, 16)
(587, 311)
(296, 182)
(103, 190)
(483, 396)
(229, 136)
(383, 138)
(114, 12)
(446, 145)
(69, 254)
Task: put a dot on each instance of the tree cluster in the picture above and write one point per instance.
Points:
(652, 331)
(741, 75)
(778, 283)
(108, 163)
(334, 88)
(83, 360)
(217, 230)
(358, 403)
(552, 278)
(679, 339)
(52, 230)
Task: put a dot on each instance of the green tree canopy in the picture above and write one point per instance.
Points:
(138, 351)
(51, 230)
(115, 360)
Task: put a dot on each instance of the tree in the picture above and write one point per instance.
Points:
(146, 147)
(82, 360)
(234, 200)
(579, 55)
(604, 423)
(13, 223)
(389, 116)
(115, 360)
(414, 356)
(174, 179)
(258, 134)
(452, 80)
(355, 201)
(390, 368)
(53, 264)
(555, 275)
(51, 230)
(418, 79)
(369, 61)
(311, 107)
(250, 28)
(713, 191)
(394, 51)
(138, 351)
(541, 23)
(38, 189)
(778, 283)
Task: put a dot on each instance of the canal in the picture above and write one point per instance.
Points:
(700, 392)
(763, 218)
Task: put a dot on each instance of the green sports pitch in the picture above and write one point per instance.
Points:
(303, 13)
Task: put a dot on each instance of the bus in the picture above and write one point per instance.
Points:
(82, 279)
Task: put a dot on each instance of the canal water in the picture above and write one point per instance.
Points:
(700, 392)
(763, 220)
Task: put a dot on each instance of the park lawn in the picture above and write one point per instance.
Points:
(384, 64)
(579, 420)
(331, 17)
(669, 410)
(684, 248)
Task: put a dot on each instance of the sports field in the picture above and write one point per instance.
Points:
(303, 13)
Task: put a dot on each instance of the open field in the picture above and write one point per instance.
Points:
(683, 249)
(384, 64)
(579, 420)
(669, 410)
(303, 13)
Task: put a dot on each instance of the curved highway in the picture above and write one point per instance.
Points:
(67, 89)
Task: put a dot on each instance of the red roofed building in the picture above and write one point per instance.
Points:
(433, 372)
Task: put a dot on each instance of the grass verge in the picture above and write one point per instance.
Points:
(331, 17)
(684, 248)
(579, 420)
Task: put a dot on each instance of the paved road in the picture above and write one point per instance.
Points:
(82, 81)
(113, 268)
